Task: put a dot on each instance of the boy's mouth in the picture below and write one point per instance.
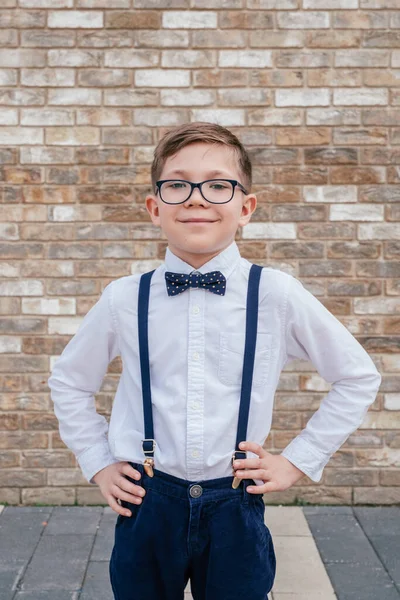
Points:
(198, 221)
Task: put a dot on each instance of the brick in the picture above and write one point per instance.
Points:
(22, 58)
(8, 77)
(360, 97)
(43, 155)
(8, 116)
(243, 97)
(304, 97)
(360, 20)
(104, 77)
(33, 116)
(10, 344)
(163, 38)
(103, 4)
(213, 39)
(162, 78)
(274, 116)
(22, 97)
(22, 477)
(9, 231)
(21, 135)
(77, 136)
(75, 19)
(22, 18)
(158, 116)
(47, 77)
(174, 19)
(186, 98)
(306, 59)
(189, 58)
(245, 58)
(48, 496)
(357, 212)
(66, 96)
(39, 38)
(330, 193)
(75, 58)
(143, 19)
(291, 136)
(245, 20)
(128, 58)
(303, 20)
(127, 98)
(365, 135)
(272, 4)
(225, 117)
(21, 288)
(46, 3)
(357, 175)
(219, 78)
(330, 4)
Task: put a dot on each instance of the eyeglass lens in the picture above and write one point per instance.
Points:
(214, 190)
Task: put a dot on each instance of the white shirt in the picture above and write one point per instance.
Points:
(196, 342)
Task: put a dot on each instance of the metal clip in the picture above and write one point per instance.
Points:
(236, 480)
(148, 465)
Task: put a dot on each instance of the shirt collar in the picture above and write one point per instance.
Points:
(225, 261)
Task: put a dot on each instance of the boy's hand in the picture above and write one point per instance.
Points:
(114, 486)
(275, 470)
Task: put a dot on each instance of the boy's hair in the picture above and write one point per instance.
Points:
(200, 131)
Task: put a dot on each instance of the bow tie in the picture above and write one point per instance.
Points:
(214, 282)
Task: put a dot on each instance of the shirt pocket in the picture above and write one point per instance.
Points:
(231, 354)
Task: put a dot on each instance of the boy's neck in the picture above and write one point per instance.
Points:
(195, 260)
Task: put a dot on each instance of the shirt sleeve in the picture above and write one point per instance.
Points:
(313, 333)
(76, 376)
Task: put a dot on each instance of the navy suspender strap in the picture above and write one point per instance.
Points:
(248, 361)
(149, 443)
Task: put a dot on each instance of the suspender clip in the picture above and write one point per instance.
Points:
(148, 463)
(236, 480)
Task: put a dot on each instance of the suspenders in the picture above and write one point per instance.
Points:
(149, 443)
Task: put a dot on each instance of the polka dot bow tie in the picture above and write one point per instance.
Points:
(214, 281)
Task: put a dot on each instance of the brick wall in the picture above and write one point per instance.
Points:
(87, 87)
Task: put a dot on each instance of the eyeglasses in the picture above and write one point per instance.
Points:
(216, 191)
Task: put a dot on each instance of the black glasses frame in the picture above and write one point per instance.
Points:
(234, 183)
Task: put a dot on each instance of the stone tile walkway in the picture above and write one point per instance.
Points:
(323, 553)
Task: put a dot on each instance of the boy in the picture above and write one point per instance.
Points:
(199, 336)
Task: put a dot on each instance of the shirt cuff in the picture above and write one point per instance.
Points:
(95, 458)
(306, 458)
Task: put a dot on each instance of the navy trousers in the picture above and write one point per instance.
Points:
(206, 531)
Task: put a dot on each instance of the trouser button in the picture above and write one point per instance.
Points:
(195, 491)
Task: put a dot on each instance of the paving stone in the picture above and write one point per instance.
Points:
(20, 531)
(104, 541)
(353, 581)
(74, 519)
(59, 562)
(9, 577)
(387, 548)
(379, 520)
(97, 584)
(47, 595)
(327, 510)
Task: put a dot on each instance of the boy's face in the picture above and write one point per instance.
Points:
(197, 242)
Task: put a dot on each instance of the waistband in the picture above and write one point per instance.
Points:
(212, 489)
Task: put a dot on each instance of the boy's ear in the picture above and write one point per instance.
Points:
(152, 209)
(249, 206)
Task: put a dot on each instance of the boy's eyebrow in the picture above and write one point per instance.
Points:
(210, 173)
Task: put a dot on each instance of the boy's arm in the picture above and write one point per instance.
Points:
(77, 375)
(314, 334)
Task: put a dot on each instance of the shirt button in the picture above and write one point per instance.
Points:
(195, 453)
(195, 405)
(196, 356)
(196, 310)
